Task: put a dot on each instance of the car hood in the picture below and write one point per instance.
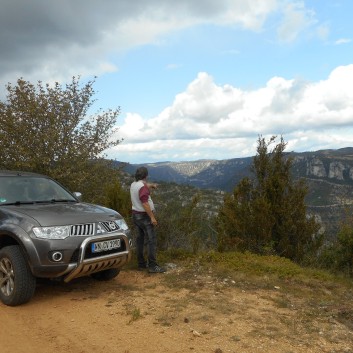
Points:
(65, 213)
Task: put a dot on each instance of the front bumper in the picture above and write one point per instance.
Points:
(84, 263)
(86, 266)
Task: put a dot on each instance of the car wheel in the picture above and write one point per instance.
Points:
(106, 275)
(17, 284)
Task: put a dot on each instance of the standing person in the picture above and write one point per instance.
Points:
(145, 221)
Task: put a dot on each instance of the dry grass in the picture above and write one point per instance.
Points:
(308, 294)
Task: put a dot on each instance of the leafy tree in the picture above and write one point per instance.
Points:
(267, 213)
(46, 129)
(118, 198)
(181, 224)
(338, 255)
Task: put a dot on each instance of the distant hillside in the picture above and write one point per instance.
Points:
(325, 170)
(204, 174)
(329, 176)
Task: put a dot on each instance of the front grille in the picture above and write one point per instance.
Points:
(82, 229)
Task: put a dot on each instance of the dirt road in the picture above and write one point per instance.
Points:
(140, 313)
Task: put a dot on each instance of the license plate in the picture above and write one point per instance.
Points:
(106, 245)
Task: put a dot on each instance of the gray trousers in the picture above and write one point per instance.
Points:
(145, 235)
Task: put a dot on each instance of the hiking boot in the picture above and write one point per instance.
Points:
(156, 269)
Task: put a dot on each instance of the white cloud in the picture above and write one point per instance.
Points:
(295, 20)
(343, 41)
(173, 66)
(207, 117)
(53, 41)
(182, 150)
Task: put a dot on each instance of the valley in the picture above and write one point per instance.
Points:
(328, 174)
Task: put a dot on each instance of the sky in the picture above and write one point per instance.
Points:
(194, 79)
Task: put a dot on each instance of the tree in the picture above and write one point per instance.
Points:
(267, 213)
(338, 255)
(47, 129)
(178, 222)
(182, 224)
(118, 198)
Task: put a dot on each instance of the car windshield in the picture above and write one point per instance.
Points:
(23, 189)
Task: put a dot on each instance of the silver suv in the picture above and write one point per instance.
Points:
(47, 232)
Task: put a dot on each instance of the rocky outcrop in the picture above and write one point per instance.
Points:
(316, 168)
(336, 170)
(332, 170)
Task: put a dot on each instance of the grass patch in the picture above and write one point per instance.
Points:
(166, 318)
(314, 292)
(135, 314)
(282, 302)
(263, 271)
(259, 266)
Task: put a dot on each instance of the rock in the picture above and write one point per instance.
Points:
(195, 333)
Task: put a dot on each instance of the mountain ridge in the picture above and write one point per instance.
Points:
(331, 165)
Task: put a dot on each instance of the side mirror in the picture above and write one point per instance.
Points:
(78, 195)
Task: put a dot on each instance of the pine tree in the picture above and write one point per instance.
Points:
(267, 213)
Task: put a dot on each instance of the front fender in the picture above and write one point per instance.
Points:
(11, 234)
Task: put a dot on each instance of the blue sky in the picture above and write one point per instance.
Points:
(195, 79)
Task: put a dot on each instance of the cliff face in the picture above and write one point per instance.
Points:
(335, 170)
(329, 176)
(316, 167)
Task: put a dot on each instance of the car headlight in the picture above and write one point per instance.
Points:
(122, 224)
(57, 232)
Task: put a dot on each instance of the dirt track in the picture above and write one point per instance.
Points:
(138, 313)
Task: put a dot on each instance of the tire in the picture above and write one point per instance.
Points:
(17, 284)
(106, 275)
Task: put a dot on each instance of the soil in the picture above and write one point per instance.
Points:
(139, 312)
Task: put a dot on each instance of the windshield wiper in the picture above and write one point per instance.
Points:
(63, 200)
(54, 201)
(16, 203)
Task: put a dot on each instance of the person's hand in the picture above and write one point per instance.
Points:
(154, 221)
(152, 185)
